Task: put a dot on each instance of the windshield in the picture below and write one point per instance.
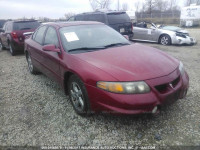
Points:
(171, 28)
(93, 37)
(116, 18)
(26, 25)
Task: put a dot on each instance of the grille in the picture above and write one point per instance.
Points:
(163, 88)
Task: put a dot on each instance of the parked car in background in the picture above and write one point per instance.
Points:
(2, 23)
(149, 32)
(102, 71)
(11, 35)
(118, 20)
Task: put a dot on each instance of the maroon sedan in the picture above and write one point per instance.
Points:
(102, 71)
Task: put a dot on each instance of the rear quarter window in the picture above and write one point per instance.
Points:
(116, 18)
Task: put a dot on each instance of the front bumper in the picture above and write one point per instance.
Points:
(103, 101)
(180, 40)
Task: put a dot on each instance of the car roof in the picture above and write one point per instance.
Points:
(102, 12)
(18, 21)
(72, 23)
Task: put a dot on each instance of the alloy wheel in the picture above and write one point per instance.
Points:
(164, 40)
(30, 65)
(77, 96)
(11, 49)
(1, 46)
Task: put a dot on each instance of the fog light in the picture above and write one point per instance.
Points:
(155, 110)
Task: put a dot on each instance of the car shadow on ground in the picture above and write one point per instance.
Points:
(154, 43)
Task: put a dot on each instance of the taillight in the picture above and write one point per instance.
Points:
(14, 35)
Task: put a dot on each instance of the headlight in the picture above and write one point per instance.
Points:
(124, 87)
(180, 35)
(181, 68)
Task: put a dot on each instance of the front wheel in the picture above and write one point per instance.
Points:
(165, 40)
(78, 96)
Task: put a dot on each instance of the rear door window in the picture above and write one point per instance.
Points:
(51, 37)
(95, 17)
(116, 18)
(40, 34)
(26, 25)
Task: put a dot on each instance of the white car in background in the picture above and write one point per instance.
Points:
(165, 35)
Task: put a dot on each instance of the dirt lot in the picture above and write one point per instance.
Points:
(34, 111)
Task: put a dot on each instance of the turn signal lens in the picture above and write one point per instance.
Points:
(116, 88)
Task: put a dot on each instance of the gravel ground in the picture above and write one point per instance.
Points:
(34, 111)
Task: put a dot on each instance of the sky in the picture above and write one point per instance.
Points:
(13, 9)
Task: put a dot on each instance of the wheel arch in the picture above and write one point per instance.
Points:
(163, 34)
(67, 75)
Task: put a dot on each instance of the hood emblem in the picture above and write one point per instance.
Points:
(171, 86)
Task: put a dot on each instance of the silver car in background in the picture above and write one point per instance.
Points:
(166, 35)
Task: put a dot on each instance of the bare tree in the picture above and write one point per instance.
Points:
(124, 6)
(172, 4)
(150, 4)
(100, 4)
(137, 6)
(160, 5)
(68, 15)
(188, 2)
(143, 7)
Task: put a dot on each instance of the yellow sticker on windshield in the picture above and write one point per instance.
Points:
(71, 36)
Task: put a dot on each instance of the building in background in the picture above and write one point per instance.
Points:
(190, 15)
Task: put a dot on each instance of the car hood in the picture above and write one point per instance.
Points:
(134, 62)
(177, 30)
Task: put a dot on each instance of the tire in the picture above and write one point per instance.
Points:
(1, 46)
(31, 67)
(12, 50)
(165, 40)
(78, 96)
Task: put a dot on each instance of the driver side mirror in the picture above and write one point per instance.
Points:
(2, 30)
(51, 48)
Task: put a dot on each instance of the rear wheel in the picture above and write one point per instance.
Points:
(31, 67)
(12, 50)
(1, 46)
(165, 40)
(78, 96)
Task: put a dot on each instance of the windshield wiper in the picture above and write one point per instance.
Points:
(86, 49)
(116, 44)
